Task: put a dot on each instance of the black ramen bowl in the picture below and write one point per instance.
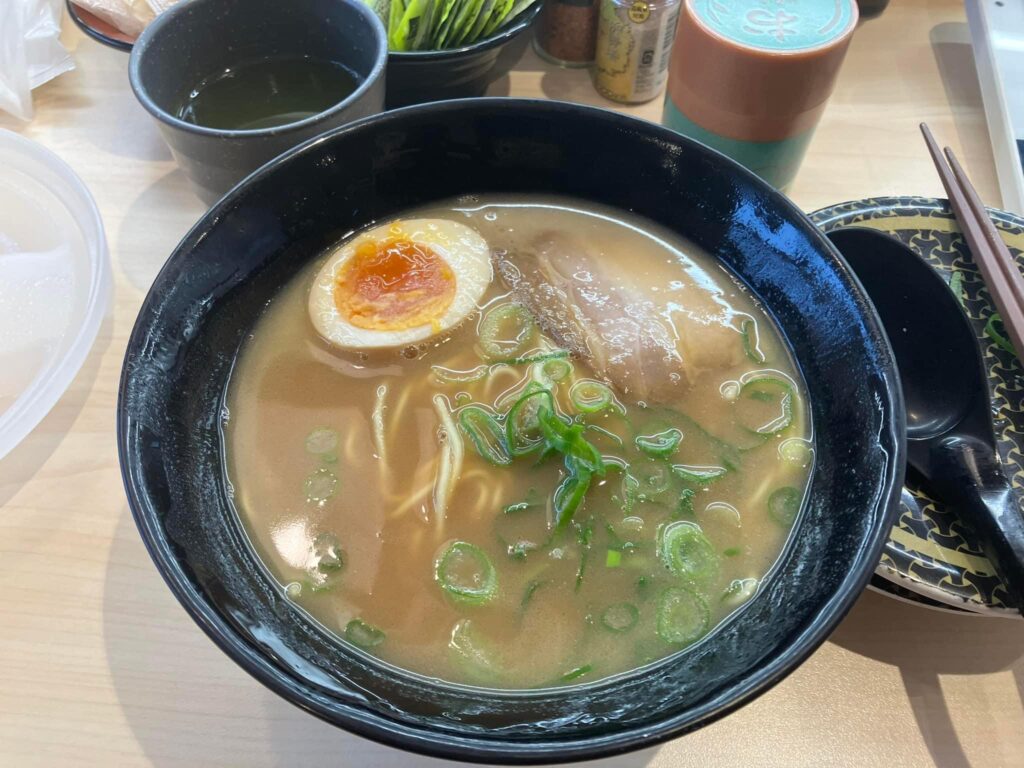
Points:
(220, 278)
(422, 76)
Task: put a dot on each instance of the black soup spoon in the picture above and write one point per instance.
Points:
(950, 440)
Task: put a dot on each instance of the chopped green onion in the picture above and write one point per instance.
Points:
(751, 341)
(293, 590)
(519, 506)
(731, 551)
(466, 574)
(994, 330)
(531, 588)
(363, 635)
(472, 655)
(613, 558)
(569, 494)
(686, 551)
(956, 285)
(573, 674)
(534, 358)
(589, 396)
(765, 405)
(496, 339)
(322, 440)
(653, 478)
(660, 444)
(328, 553)
(569, 441)
(685, 504)
(620, 617)
(448, 376)
(784, 504)
(682, 616)
(485, 433)
(551, 371)
(520, 549)
(700, 476)
(522, 425)
(320, 485)
(606, 433)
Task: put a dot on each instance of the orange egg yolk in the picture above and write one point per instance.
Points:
(394, 284)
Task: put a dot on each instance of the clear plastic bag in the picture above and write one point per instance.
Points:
(129, 16)
(30, 51)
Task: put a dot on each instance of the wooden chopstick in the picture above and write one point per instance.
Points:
(997, 266)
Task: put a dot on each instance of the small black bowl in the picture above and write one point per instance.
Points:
(218, 281)
(199, 38)
(422, 76)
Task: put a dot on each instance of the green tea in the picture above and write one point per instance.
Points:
(263, 93)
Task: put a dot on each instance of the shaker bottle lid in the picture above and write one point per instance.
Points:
(54, 282)
(757, 71)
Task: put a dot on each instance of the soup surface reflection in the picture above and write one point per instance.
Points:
(545, 457)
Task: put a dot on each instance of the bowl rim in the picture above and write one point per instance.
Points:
(389, 732)
(520, 23)
(141, 47)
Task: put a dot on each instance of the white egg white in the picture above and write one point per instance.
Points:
(465, 251)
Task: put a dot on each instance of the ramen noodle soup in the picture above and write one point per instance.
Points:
(517, 442)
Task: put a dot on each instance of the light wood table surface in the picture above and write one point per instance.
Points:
(100, 666)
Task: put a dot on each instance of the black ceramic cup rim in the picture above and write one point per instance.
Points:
(392, 732)
(169, 17)
(506, 33)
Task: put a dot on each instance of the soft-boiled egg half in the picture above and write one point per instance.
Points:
(400, 283)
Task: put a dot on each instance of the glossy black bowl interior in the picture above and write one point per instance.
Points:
(235, 260)
(421, 76)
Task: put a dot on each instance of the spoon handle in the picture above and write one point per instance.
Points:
(971, 476)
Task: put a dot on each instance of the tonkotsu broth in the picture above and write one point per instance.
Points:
(353, 537)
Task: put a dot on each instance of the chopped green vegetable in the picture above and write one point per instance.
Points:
(686, 551)
(448, 376)
(589, 396)
(682, 616)
(531, 588)
(751, 342)
(505, 330)
(731, 551)
(660, 444)
(620, 617)
(765, 405)
(699, 476)
(523, 431)
(685, 504)
(956, 286)
(551, 371)
(363, 635)
(739, 591)
(613, 558)
(784, 504)
(573, 674)
(328, 553)
(472, 655)
(994, 330)
(583, 537)
(320, 485)
(485, 433)
(570, 492)
(466, 574)
(322, 440)
(520, 549)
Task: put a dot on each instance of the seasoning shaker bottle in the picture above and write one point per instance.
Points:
(634, 43)
(567, 32)
(751, 79)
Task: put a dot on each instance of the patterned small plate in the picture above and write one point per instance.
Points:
(932, 556)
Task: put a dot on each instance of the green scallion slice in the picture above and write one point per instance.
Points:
(765, 406)
(466, 574)
(505, 330)
(620, 617)
(682, 616)
(486, 434)
(660, 444)
(783, 505)
(363, 635)
(589, 396)
(322, 440)
(687, 553)
(522, 425)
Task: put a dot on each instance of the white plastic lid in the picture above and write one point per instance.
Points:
(54, 282)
